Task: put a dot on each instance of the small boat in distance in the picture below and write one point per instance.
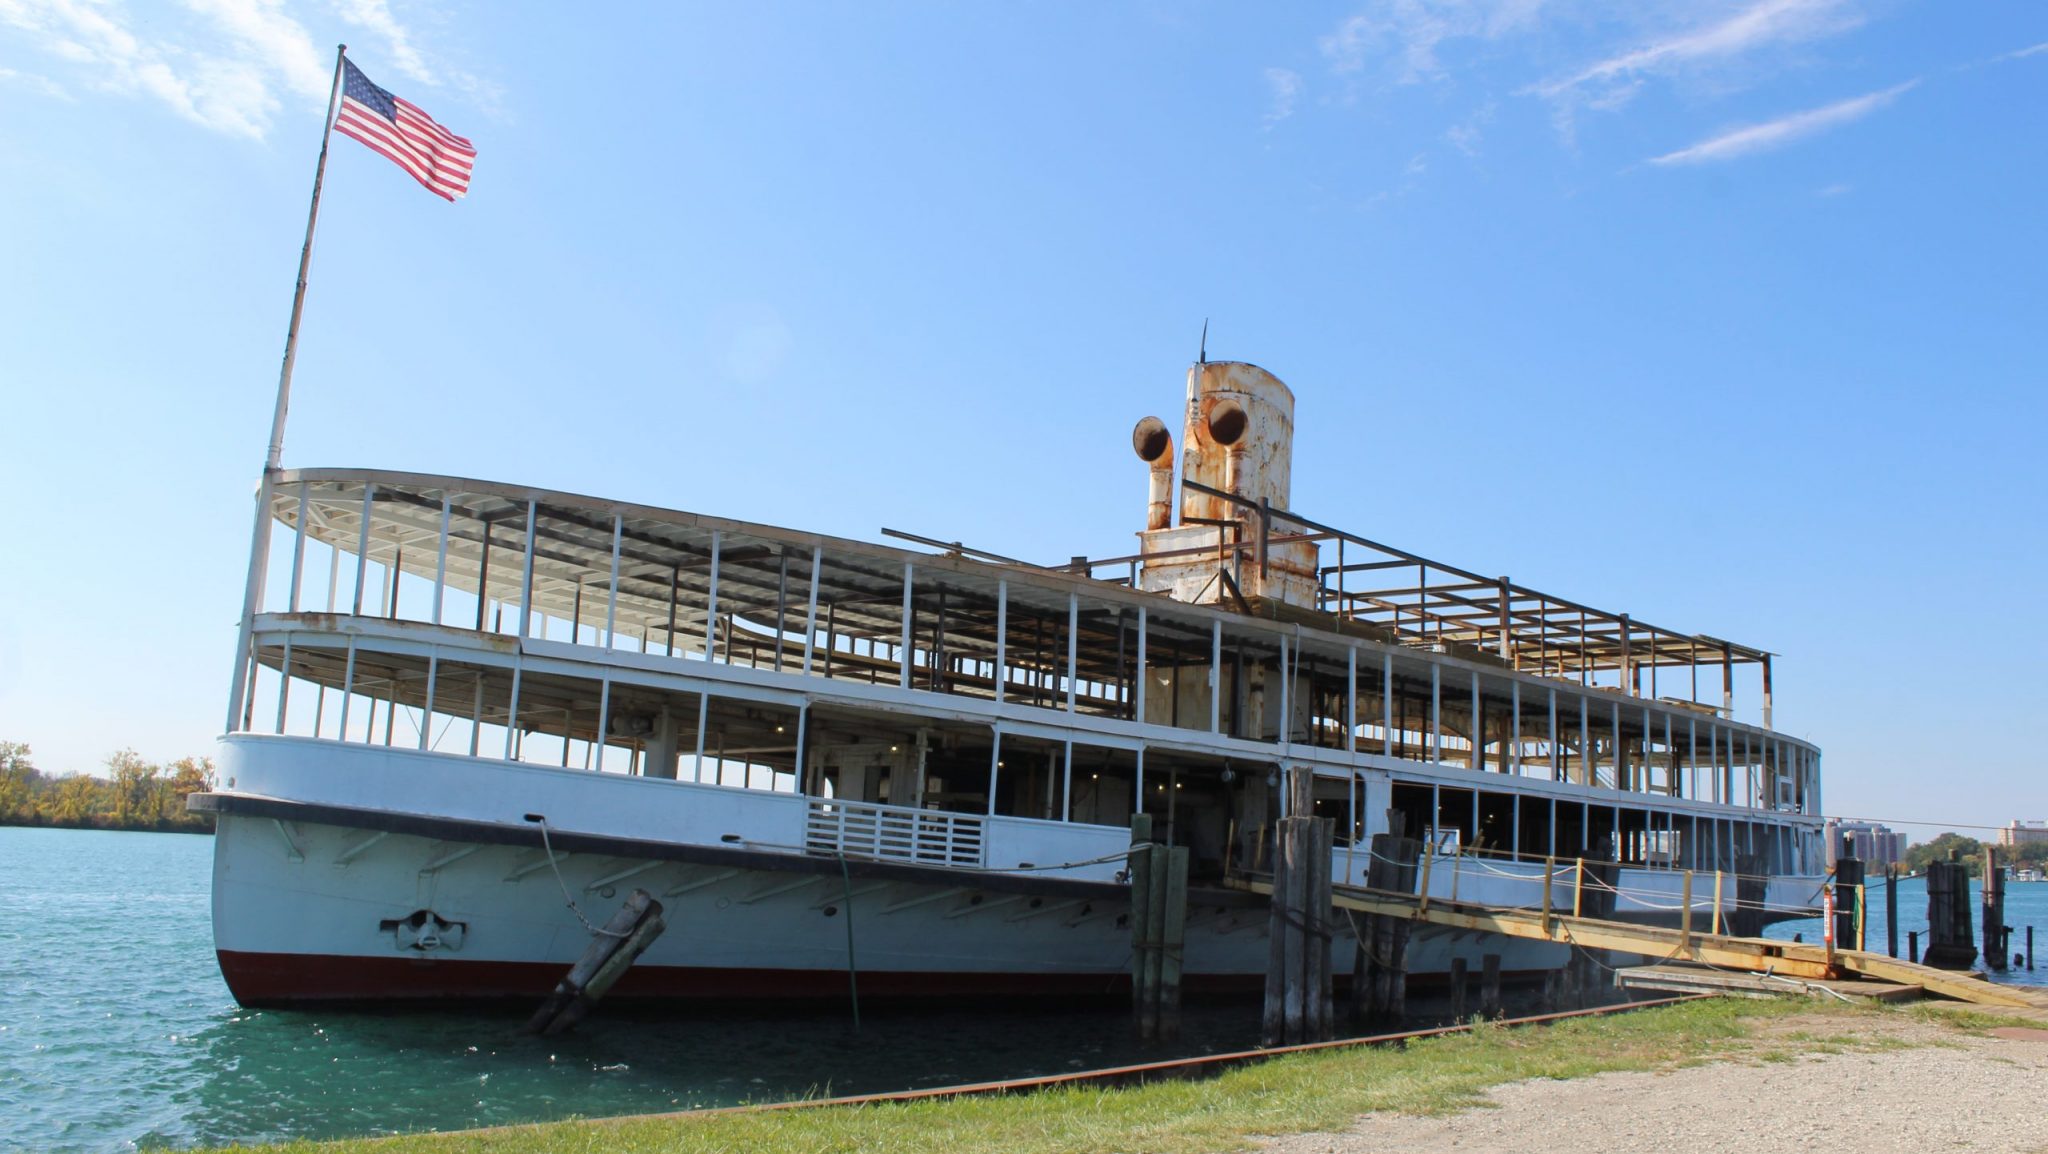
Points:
(460, 701)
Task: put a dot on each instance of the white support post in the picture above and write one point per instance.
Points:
(512, 706)
(1588, 774)
(427, 710)
(811, 611)
(1285, 729)
(1138, 690)
(1002, 649)
(711, 612)
(348, 690)
(703, 720)
(363, 550)
(1216, 676)
(526, 571)
(1692, 756)
(476, 715)
(611, 606)
(604, 720)
(1436, 713)
(441, 557)
(803, 727)
(1073, 656)
(909, 607)
(298, 553)
(1477, 760)
(1351, 710)
(1138, 803)
(284, 682)
(995, 745)
(1387, 703)
(1067, 784)
(1556, 760)
(1512, 762)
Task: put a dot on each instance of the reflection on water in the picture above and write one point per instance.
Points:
(116, 1030)
(2026, 904)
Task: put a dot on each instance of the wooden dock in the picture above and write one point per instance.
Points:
(1804, 961)
(1691, 979)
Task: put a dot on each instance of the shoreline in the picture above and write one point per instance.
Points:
(1294, 1103)
(90, 827)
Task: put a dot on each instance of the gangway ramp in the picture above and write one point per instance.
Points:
(1753, 955)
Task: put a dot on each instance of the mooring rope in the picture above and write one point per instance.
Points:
(548, 849)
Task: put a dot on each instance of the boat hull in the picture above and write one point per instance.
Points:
(309, 912)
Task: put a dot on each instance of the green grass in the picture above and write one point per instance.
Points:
(1322, 1091)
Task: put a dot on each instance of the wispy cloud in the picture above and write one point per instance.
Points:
(1774, 133)
(1834, 190)
(227, 65)
(1283, 87)
(1467, 133)
(1759, 25)
(34, 82)
(1408, 33)
(2036, 50)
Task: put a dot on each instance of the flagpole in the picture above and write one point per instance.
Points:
(259, 538)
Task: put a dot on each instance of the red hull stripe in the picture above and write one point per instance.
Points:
(260, 979)
(283, 979)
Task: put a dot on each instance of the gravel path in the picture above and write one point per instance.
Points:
(1951, 1092)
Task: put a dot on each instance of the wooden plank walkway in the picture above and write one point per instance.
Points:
(1813, 961)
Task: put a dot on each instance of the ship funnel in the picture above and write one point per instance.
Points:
(1154, 446)
(1227, 422)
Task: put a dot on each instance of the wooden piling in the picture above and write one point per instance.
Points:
(1996, 952)
(1489, 985)
(1459, 977)
(1380, 990)
(1159, 902)
(1891, 909)
(1950, 945)
(1848, 882)
(1298, 951)
(1144, 978)
(1913, 946)
(1751, 891)
(613, 948)
(2030, 948)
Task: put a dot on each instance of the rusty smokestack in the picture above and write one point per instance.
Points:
(1227, 423)
(1154, 446)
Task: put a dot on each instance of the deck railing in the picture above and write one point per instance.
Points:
(893, 833)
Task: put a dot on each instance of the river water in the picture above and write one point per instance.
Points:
(116, 1031)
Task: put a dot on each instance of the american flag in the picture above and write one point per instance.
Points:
(436, 157)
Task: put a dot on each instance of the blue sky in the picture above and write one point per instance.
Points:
(1727, 314)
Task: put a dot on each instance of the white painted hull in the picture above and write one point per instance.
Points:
(312, 910)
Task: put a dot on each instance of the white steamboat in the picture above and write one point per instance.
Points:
(775, 732)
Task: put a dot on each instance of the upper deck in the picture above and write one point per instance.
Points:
(665, 643)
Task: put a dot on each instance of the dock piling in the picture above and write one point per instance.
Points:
(1996, 955)
(1891, 909)
(1950, 943)
(1159, 903)
(1489, 985)
(1298, 959)
(1848, 888)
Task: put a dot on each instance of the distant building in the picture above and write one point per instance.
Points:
(2023, 833)
(1876, 846)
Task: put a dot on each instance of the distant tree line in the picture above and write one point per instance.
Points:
(1971, 852)
(134, 794)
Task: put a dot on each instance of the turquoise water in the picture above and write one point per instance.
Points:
(2026, 904)
(116, 1031)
